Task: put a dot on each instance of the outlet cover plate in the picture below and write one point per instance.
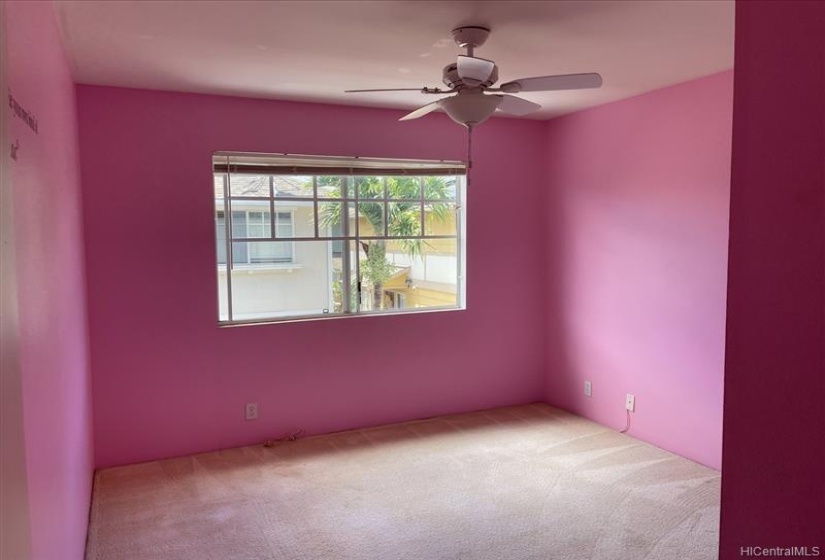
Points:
(588, 389)
(252, 411)
(630, 402)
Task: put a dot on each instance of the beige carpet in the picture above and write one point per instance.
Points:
(517, 483)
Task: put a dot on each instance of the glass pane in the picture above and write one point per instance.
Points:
(334, 187)
(270, 253)
(334, 216)
(431, 279)
(284, 226)
(404, 218)
(370, 187)
(294, 218)
(306, 288)
(218, 180)
(292, 185)
(239, 224)
(329, 216)
(220, 236)
(440, 188)
(250, 218)
(408, 273)
(345, 297)
(256, 253)
(371, 219)
(440, 218)
(243, 185)
(223, 308)
(258, 224)
(375, 271)
(240, 253)
(404, 187)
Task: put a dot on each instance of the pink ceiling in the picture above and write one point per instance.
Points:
(313, 50)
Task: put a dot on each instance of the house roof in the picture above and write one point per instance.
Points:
(258, 185)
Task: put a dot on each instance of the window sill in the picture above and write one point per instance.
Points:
(332, 316)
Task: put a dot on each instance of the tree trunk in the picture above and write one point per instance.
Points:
(378, 295)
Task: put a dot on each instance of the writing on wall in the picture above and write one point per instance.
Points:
(22, 113)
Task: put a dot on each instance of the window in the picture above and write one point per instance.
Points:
(256, 224)
(350, 236)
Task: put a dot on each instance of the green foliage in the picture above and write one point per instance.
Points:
(338, 293)
(403, 216)
(376, 269)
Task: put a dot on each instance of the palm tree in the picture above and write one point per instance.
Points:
(403, 218)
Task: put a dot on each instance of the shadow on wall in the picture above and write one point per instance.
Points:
(558, 380)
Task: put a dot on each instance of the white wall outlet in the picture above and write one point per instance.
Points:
(252, 411)
(588, 389)
(630, 402)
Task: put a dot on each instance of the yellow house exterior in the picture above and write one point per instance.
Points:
(423, 291)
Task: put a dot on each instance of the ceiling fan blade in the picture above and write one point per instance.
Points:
(421, 111)
(390, 89)
(513, 105)
(474, 71)
(553, 83)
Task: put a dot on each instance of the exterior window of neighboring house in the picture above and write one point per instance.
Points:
(304, 237)
(252, 224)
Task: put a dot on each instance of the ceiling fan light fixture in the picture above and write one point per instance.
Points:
(470, 109)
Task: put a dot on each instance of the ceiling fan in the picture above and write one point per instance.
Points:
(470, 79)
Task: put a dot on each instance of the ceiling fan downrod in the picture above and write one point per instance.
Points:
(470, 37)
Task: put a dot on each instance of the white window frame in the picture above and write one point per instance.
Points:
(332, 166)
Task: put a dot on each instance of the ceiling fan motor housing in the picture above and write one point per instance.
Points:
(470, 36)
(452, 80)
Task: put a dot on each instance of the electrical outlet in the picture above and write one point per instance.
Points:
(252, 411)
(588, 389)
(630, 402)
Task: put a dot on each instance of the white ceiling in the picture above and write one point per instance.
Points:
(313, 50)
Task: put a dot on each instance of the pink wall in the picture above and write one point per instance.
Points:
(53, 341)
(637, 220)
(773, 488)
(14, 499)
(168, 381)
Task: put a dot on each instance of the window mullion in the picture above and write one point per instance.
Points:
(357, 210)
(314, 203)
(230, 257)
(422, 206)
(386, 207)
(346, 272)
(357, 246)
(272, 221)
(292, 235)
(461, 236)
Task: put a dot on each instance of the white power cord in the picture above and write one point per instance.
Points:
(627, 426)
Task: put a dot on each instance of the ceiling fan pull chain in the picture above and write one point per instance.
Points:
(469, 152)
